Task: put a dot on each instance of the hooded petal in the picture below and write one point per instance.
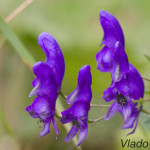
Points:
(71, 133)
(83, 89)
(104, 59)
(54, 56)
(132, 85)
(136, 83)
(46, 83)
(120, 63)
(45, 129)
(82, 135)
(112, 111)
(112, 29)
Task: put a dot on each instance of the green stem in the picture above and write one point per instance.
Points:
(146, 100)
(145, 111)
(100, 105)
(96, 120)
(146, 79)
(5, 123)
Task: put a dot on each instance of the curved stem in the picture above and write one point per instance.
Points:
(146, 100)
(146, 79)
(96, 120)
(100, 105)
(145, 111)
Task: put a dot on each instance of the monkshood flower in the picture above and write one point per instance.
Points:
(129, 88)
(47, 84)
(80, 99)
(112, 34)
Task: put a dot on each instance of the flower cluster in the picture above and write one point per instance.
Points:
(47, 86)
(127, 84)
(126, 87)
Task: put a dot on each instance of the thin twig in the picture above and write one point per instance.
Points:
(100, 105)
(145, 111)
(96, 120)
(18, 10)
(146, 79)
(146, 100)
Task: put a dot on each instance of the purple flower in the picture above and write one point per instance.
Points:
(47, 84)
(112, 34)
(80, 99)
(129, 88)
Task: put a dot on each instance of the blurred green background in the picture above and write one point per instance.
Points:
(75, 26)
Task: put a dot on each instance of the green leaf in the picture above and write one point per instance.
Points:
(16, 43)
(148, 57)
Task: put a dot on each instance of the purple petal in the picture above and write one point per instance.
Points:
(35, 82)
(112, 29)
(82, 135)
(46, 82)
(129, 123)
(66, 116)
(31, 111)
(136, 83)
(120, 63)
(45, 129)
(55, 127)
(83, 89)
(134, 127)
(54, 56)
(104, 59)
(126, 110)
(71, 133)
(110, 93)
(43, 108)
(112, 111)
(132, 85)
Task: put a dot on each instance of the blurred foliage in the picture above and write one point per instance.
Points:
(75, 26)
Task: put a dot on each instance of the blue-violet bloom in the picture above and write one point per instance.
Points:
(129, 88)
(47, 84)
(80, 99)
(112, 33)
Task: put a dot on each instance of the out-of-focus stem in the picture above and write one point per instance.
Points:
(100, 105)
(145, 111)
(146, 79)
(96, 120)
(146, 100)
(18, 10)
(5, 123)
